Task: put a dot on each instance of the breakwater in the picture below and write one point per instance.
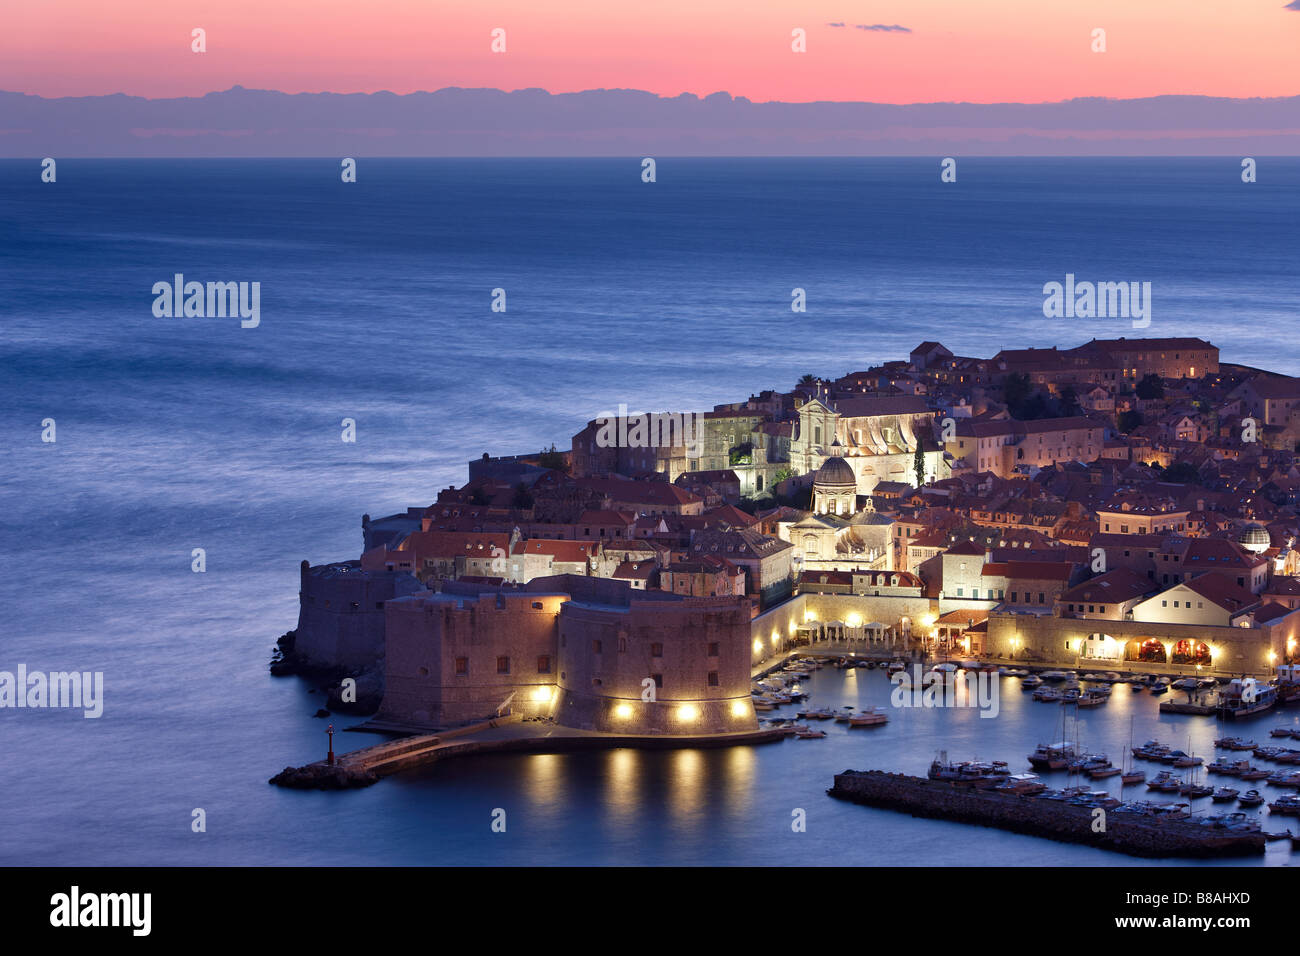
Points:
(1132, 833)
(361, 768)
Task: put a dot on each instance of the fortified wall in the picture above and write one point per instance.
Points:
(341, 613)
(574, 648)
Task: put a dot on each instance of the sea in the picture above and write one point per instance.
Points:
(173, 434)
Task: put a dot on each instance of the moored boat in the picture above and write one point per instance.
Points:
(1245, 698)
(1224, 794)
(1055, 756)
(869, 718)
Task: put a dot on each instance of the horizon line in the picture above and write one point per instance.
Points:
(238, 87)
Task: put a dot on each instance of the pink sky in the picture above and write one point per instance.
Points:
(985, 51)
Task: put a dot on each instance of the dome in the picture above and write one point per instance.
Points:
(835, 473)
(1255, 539)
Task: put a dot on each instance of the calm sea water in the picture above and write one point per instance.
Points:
(176, 434)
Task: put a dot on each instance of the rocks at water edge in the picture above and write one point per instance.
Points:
(318, 776)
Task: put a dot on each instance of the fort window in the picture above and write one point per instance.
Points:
(595, 647)
(622, 645)
(656, 650)
(543, 664)
(462, 666)
(713, 649)
(713, 678)
(503, 665)
(537, 605)
(658, 679)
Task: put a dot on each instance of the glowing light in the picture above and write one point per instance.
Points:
(1272, 657)
(809, 616)
(927, 621)
(623, 711)
(758, 646)
(541, 694)
(687, 713)
(740, 708)
(776, 638)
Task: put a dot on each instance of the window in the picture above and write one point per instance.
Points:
(713, 649)
(622, 645)
(658, 679)
(656, 650)
(462, 666)
(503, 665)
(595, 647)
(544, 664)
(713, 678)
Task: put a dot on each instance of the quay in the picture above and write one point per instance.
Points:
(361, 768)
(1134, 834)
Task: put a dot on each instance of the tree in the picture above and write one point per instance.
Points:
(808, 379)
(1182, 473)
(1128, 421)
(1015, 389)
(919, 463)
(553, 459)
(1150, 387)
(522, 500)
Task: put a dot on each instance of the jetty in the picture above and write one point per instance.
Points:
(509, 734)
(1136, 834)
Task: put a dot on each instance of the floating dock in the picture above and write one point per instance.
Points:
(1131, 833)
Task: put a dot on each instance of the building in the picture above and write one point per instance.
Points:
(588, 652)
(1009, 447)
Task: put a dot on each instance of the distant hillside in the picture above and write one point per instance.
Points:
(485, 122)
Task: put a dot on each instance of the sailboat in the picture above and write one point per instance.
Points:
(1131, 774)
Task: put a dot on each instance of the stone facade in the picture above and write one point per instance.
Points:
(574, 648)
(341, 613)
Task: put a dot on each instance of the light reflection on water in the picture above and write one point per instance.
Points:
(734, 805)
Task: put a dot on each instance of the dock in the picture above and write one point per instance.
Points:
(1198, 710)
(1131, 833)
(361, 768)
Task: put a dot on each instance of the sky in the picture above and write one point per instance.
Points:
(935, 50)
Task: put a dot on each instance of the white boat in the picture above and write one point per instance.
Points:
(1056, 675)
(1030, 682)
(869, 718)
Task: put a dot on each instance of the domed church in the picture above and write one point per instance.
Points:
(837, 534)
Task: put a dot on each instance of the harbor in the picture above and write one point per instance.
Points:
(1107, 755)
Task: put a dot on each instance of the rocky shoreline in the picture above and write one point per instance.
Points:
(286, 661)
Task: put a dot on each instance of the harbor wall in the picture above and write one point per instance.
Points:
(1053, 819)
